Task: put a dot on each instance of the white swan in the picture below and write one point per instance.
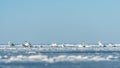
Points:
(26, 44)
(10, 44)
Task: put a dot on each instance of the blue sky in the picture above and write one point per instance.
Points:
(61, 21)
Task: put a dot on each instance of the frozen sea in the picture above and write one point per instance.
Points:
(59, 57)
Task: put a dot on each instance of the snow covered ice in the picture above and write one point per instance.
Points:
(71, 54)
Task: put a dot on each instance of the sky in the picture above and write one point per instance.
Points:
(60, 21)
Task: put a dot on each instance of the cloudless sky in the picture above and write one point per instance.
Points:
(60, 21)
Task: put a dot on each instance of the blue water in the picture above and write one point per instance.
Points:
(37, 58)
(63, 65)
